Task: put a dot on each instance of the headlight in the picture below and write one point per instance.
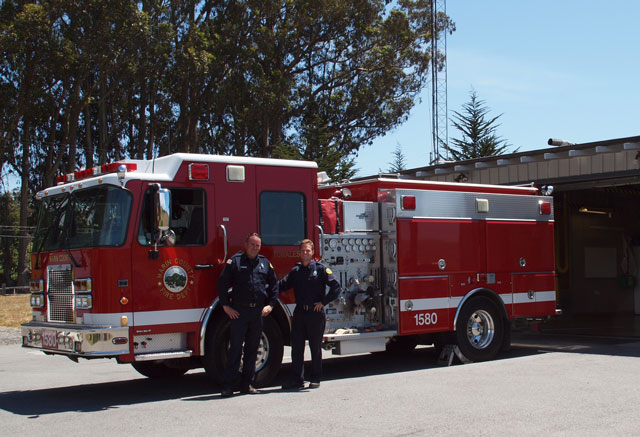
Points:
(82, 285)
(84, 302)
(37, 300)
(36, 286)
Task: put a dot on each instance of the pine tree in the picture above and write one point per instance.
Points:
(398, 164)
(479, 137)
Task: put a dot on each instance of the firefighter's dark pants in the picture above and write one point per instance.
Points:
(307, 325)
(246, 328)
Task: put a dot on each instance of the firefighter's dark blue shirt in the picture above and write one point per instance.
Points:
(253, 281)
(309, 283)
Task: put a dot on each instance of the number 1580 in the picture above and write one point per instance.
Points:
(426, 319)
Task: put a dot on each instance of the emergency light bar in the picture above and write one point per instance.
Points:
(95, 171)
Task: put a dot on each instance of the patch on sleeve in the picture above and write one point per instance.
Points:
(328, 270)
(271, 265)
(229, 261)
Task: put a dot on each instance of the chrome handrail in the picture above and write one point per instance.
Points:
(224, 231)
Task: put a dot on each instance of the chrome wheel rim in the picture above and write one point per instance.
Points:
(480, 329)
(262, 355)
(263, 352)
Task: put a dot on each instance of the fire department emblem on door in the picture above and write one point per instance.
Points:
(175, 278)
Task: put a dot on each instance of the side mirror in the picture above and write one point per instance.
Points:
(162, 208)
(162, 214)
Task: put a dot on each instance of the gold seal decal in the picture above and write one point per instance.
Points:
(175, 279)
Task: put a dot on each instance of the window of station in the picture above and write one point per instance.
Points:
(188, 217)
(282, 218)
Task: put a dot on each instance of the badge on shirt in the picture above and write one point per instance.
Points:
(229, 261)
(314, 274)
(328, 270)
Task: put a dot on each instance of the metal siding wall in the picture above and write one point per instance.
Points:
(554, 169)
(621, 161)
(494, 176)
(504, 174)
(597, 163)
(608, 164)
(543, 170)
(514, 171)
(585, 164)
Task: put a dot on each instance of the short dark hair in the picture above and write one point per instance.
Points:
(309, 242)
(253, 234)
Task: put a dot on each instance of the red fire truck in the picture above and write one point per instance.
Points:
(126, 257)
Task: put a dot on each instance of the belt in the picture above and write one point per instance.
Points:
(250, 305)
(307, 307)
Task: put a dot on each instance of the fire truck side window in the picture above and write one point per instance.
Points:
(282, 218)
(187, 217)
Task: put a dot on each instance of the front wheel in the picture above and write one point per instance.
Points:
(479, 329)
(270, 351)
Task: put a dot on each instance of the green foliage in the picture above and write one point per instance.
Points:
(84, 82)
(479, 138)
(90, 81)
(399, 162)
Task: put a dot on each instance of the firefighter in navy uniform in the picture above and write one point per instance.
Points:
(254, 292)
(309, 279)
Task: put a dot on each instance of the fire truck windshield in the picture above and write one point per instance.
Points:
(96, 216)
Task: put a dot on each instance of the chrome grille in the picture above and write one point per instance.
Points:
(60, 293)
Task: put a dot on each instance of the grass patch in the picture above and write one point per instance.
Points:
(15, 310)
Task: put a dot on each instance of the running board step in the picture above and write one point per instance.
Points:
(163, 355)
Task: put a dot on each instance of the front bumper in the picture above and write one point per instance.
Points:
(76, 340)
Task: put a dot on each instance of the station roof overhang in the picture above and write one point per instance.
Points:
(569, 166)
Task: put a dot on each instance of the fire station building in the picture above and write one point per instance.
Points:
(596, 191)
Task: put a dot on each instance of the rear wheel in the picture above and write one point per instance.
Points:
(158, 369)
(479, 329)
(270, 351)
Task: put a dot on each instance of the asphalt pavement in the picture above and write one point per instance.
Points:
(544, 385)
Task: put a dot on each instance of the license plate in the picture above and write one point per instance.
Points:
(49, 339)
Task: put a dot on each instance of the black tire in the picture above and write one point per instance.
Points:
(401, 345)
(158, 369)
(479, 329)
(506, 338)
(270, 351)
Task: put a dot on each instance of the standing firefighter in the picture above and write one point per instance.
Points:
(254, 290)
(309, 279)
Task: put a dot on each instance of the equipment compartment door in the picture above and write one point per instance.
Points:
(534, 294)
(424, 304)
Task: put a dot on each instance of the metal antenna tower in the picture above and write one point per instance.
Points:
(439, 116)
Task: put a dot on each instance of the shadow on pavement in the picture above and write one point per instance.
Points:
(196, 387)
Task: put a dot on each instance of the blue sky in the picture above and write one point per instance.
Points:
(564, 69)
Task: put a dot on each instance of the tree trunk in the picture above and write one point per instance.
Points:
(23, 243)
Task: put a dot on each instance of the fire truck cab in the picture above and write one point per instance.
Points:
(126, 259)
